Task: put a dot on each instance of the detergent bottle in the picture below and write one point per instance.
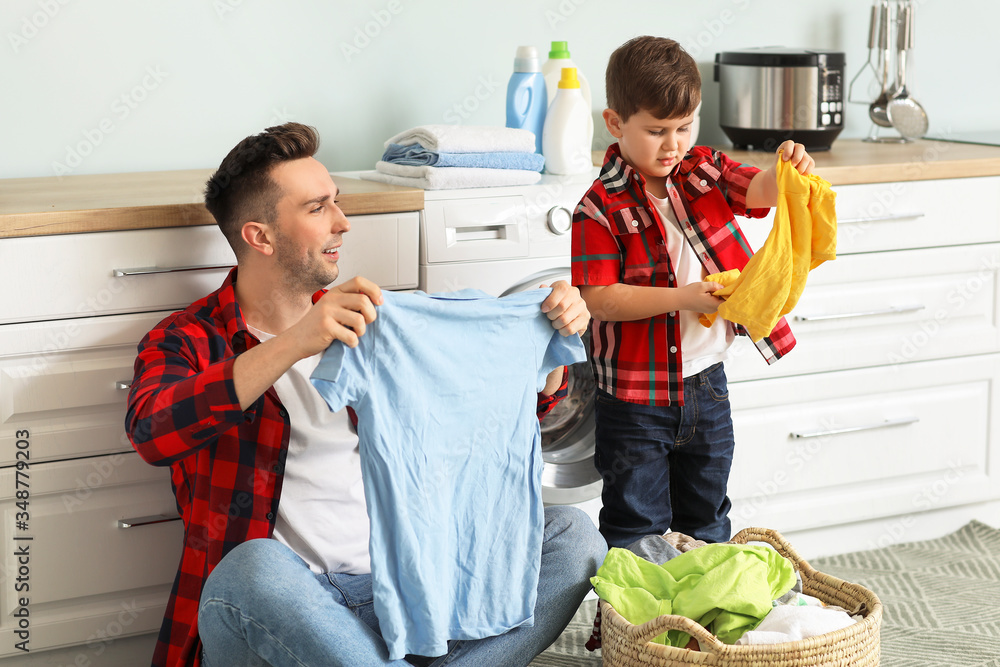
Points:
(568, 131)
(558, 59)
(527, 101)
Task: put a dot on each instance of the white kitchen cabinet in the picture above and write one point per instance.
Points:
(90, 567)
(888, 405)
(105, 541)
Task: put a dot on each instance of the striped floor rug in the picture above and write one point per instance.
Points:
(941, 598)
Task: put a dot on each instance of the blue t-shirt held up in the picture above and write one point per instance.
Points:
(445, 388)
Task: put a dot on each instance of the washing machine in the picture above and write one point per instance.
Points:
(506, 240)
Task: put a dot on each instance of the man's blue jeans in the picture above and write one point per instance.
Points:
(666, 467)
(263, 606)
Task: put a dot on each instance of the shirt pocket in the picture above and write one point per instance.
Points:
(702, 188)
(630, 220)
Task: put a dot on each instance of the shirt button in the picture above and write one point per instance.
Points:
(282, 413)
(673, 349)
(276, 467)
(672, 313)
(270, 516)
(635, 223)
(670, 277)
(704, 183)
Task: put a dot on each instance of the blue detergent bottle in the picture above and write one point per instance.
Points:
(527, 99)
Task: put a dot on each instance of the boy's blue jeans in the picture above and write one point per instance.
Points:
(666, 467)
(262, 605)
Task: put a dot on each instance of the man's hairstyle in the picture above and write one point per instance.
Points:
(242, 189)
(653, 74)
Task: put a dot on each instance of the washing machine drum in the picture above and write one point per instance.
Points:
(569, 475)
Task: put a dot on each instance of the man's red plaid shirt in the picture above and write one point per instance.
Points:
(226, 464)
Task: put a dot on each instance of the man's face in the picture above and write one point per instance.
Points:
(650, 145)
(309, 228)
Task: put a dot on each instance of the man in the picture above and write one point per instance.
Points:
(221, 395)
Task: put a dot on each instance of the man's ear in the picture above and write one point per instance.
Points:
(259, 236)
(613, 122)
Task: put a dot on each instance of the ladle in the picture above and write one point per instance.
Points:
(878, 109)
(905, 114)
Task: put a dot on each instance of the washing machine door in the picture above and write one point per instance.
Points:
(569, 475)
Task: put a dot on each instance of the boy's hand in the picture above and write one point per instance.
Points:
(698, 297)
(795, 154)
(566, 308)
(763, 189)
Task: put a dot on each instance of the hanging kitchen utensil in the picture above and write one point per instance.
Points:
(877, 110)
(872, 34)
(905, 113)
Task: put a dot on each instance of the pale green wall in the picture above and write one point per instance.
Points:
(212, 71)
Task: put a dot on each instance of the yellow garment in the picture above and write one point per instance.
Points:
(804, 236)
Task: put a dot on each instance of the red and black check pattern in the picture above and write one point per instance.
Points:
(618, 237)
(226, 464)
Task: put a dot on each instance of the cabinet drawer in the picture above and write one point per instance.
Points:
(78, 275)
(912, 214)
(59, 381)
(463, 230)
(82, 574)
(888, 308)
(383, 248)
(821, 450)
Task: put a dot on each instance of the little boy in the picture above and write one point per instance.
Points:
(659, 218)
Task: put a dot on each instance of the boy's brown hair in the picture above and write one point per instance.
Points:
(653, 74)
(242, 189)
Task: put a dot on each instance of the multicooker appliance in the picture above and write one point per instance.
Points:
(768, 95)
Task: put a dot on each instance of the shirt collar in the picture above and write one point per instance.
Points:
(616, 174)
(236, 327)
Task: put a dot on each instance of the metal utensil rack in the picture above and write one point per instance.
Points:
(890, 39)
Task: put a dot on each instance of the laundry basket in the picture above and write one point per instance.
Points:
(626, 645)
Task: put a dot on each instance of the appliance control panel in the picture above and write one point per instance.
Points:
(831, 98)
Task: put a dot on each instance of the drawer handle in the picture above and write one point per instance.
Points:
(480, 233)
(146, 520)
(150, 270)
(122, 384)
(891, 310)
(853, 429)
(883, 218)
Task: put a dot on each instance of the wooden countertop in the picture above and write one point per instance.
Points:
(142, 200)
(855, 161)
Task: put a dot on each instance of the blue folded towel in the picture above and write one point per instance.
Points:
(416, 155)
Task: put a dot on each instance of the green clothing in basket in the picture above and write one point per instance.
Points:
(727, 588)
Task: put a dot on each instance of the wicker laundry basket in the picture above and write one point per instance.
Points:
(628, 645)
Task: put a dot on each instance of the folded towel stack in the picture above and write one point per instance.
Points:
(439, 157)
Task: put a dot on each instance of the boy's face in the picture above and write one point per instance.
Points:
(650, 145)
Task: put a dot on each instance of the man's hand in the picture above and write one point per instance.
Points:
(343, 314)
(566, 309)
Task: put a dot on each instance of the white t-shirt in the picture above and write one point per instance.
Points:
(321, 515)
(701, 346)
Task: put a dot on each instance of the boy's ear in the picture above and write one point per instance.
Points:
(613, 122)
(257, 235)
